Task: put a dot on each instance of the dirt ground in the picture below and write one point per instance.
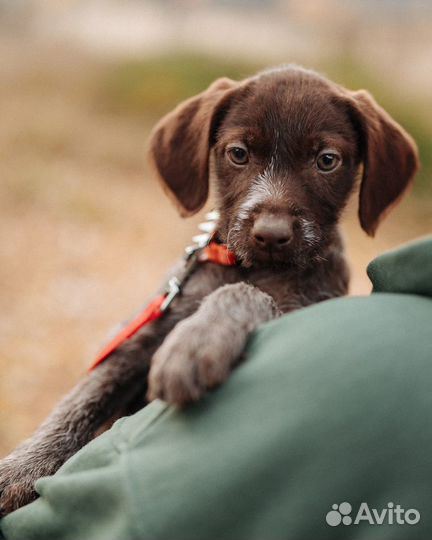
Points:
(86, 232)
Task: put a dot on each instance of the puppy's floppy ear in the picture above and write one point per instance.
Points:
(390, 160)
(180, 145)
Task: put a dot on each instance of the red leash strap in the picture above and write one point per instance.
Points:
(150, 313)
(214, 252)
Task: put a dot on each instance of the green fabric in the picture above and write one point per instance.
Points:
(406, 270)
(332, 404)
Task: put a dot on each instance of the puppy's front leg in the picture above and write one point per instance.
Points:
(75, 421)
(201, 350)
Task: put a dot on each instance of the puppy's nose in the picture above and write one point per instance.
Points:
(272, 232)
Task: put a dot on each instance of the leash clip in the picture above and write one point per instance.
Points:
(173, 290)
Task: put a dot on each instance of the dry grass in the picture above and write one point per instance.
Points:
(86, 232)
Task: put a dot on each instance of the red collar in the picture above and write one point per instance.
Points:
(218, 254)
(212, 252)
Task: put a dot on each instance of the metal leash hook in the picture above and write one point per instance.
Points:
(173, 290)
(191, 256)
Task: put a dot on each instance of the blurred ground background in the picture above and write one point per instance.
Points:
(86, 232)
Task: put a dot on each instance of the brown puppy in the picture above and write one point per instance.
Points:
(287, 148)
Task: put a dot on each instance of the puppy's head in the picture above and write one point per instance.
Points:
(288, 147)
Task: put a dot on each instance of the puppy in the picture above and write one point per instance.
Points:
(287, 149)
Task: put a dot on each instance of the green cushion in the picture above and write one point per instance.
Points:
(332, 405)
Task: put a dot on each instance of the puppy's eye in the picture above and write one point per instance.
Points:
(328, 161)
(238, 154)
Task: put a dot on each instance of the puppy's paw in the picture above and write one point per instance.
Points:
(16, 495)
(16, 487)
(190, 361)
(18, 474)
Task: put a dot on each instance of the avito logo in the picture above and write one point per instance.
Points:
(390, 515)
